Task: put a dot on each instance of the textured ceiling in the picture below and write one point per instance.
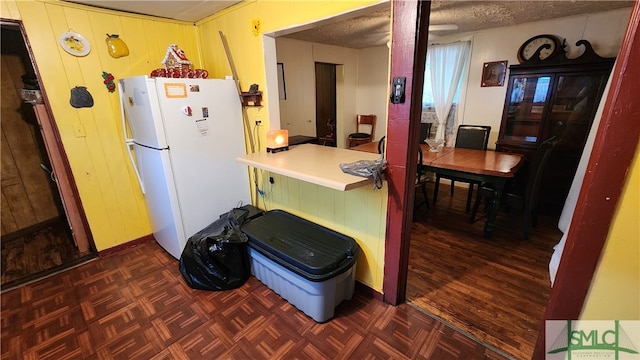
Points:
(185, 10)
(370, 27)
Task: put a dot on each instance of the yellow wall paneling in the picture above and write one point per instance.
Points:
(92, 137)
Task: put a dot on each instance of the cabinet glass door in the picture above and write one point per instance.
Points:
(526, 107)
(573, 107)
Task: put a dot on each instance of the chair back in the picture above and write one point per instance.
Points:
(536, 170)
(421, 181)
(425, 130)
(369, 120)
(381, 145)
(421, 170)
(524, 200)
(473, 136)
(360, 136)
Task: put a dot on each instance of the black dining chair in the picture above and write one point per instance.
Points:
(522, 197)
(421, 181)
(421, 174)
(468, 137)
(381, 145)
(425, 132)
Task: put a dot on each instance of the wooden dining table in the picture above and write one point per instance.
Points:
(486, 166)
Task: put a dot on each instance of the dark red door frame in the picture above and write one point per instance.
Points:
(606, 172)
(408, 55)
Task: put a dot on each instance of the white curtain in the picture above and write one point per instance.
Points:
(447, 63)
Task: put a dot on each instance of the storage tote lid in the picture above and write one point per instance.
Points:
(306, 248)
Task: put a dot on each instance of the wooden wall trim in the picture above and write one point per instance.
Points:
(129, 244)
(613, 151)
(408, 55)
(63, 180)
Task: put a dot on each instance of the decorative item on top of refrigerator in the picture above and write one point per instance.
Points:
(176, 65)
(183, 136)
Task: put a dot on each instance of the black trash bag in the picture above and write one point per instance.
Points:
(217, 258)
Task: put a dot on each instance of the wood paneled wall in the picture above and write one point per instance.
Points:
(92, 137)
(27, 197)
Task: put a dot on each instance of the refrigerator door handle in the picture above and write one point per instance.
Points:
(128, 142)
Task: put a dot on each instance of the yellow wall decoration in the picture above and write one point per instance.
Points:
(117, 48)
(255, 27)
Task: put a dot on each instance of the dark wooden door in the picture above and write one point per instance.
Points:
(326, 101)
(29, 196)
(40, 152)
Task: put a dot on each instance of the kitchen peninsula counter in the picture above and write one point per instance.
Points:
(312, 163)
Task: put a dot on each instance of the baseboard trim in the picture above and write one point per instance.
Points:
(129, 244)
(367, 291)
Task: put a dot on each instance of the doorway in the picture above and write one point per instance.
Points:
(36, 238)
(326, 103)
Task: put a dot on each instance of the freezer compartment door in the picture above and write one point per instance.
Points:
(141, 112)
(161, 199)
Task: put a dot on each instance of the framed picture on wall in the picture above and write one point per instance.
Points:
(493, 73)
(282, 90)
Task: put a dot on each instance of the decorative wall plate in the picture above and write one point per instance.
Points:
(74, 43)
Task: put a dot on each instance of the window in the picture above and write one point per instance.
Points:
(447, 62)
(429, 109)
(427, 94)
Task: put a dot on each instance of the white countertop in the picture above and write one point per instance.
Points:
(313, 163)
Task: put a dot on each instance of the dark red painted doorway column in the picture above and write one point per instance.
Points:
(410, 21)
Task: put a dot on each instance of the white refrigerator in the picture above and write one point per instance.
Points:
(183, 136)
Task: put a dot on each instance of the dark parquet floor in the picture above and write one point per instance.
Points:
(135, 305)
(495, 289)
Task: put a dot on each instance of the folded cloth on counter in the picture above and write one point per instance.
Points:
(367, 168)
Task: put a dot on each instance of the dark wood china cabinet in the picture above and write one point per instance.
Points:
(550, 95)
